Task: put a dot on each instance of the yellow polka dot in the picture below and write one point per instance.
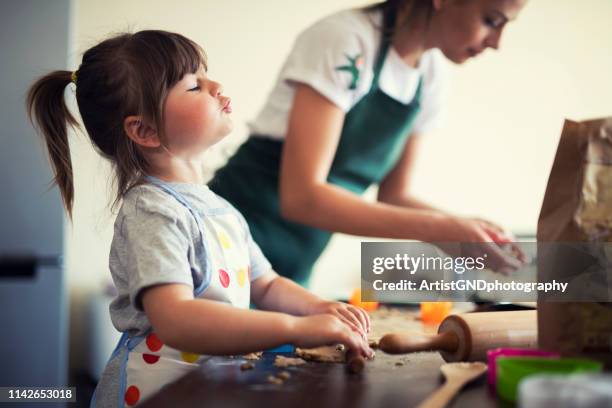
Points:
(189, 357)
(242, 277)
(224, 239)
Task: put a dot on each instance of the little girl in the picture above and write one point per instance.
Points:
(182, 258)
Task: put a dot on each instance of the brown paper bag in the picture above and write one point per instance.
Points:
(575, 243)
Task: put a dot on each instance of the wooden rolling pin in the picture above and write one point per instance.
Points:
(468, 336)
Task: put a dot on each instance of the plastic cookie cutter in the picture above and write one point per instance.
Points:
(512, 370)
(492, 356)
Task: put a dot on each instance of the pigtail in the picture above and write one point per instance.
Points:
(47, 110)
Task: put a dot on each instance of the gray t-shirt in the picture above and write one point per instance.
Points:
(157, 241)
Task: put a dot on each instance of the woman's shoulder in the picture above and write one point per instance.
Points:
(354, 19)
(346, 25)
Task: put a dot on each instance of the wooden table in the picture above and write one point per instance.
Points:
(387, 381)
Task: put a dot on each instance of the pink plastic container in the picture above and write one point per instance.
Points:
(492, 356)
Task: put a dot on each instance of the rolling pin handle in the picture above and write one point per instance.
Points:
(401, 343)
(445, 341)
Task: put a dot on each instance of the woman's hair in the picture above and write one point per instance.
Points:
(391, 8)
(127, 74)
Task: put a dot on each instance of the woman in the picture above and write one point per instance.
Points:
(349, 108)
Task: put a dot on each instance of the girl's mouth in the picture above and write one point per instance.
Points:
(227, 106)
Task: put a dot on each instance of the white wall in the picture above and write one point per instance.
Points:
(491, 159)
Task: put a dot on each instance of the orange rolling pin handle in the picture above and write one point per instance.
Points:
(402, 343)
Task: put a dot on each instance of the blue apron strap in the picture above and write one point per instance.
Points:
(123, 340)
(166, 188)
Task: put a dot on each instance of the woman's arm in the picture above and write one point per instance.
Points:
(210, 327)
(315, 126)
(395, 188)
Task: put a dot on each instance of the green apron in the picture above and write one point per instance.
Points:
(373, 137)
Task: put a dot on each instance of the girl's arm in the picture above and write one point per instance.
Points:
(315, 126)
(210, 327)
(273, 292)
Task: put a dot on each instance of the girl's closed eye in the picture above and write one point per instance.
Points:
(495, 19)
(493, 22)
(195, 88)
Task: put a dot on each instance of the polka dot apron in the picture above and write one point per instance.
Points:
(150, 364)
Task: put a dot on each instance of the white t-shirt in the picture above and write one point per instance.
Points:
(331, 43)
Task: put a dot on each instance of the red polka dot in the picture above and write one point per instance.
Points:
(150, 358)
(132, 395)
(153, 342)
(224, 278)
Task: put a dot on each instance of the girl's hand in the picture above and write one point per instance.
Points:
(326, 329)
(475, 237)
(355, 317)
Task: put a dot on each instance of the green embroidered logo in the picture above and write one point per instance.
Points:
(354, 65)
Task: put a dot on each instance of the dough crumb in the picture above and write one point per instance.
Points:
(253, 356)
(283, 375)
(282, 361)
(274, 380)
(247, 366)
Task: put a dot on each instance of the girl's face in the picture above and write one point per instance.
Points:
(196, 114)
(465, 28)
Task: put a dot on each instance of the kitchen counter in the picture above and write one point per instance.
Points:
(388, 380)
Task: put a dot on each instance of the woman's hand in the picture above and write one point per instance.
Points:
(326, 329)
(504, 239)
(354, 317)
(475, 237)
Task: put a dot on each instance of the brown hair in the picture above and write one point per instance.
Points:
(390, 9)
(127, 74)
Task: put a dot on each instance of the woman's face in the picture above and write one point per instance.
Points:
(465, 28)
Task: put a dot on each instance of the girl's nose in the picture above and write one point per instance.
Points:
(493, 40)
(217, 89)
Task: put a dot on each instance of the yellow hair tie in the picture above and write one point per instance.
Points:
(73, 77)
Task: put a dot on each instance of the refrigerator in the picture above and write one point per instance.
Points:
(34, 39)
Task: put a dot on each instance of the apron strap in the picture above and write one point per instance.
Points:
(165, 187)
(385, 43)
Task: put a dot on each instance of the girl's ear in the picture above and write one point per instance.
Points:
(140, 133)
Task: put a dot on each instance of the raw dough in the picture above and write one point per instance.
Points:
(247, 366)
(325, 354)
(275, 380)
(282, 361)
(253, 356)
